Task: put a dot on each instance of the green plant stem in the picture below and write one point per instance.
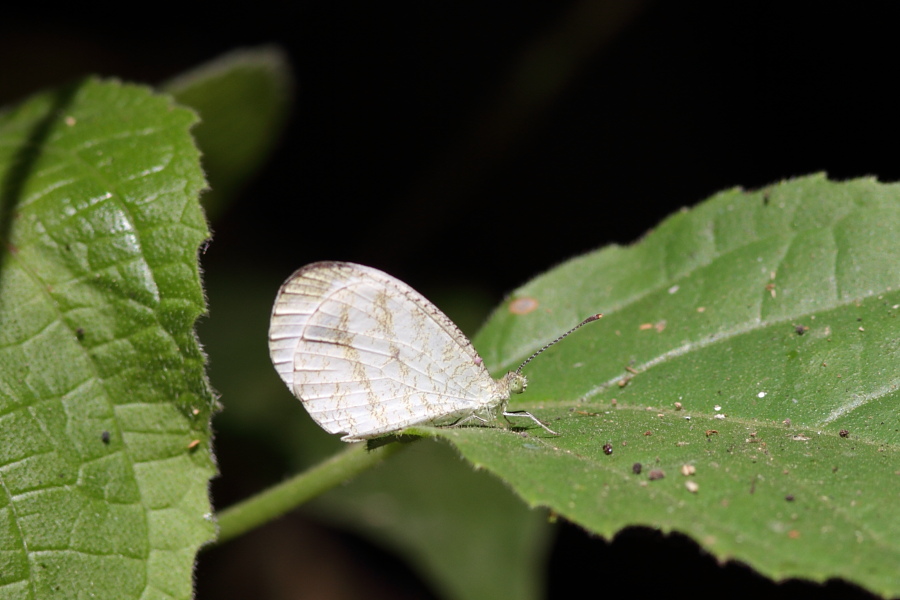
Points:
(286, 496)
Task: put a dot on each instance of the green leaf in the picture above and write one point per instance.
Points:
(243, 99)
(771, 317)
(104, 405)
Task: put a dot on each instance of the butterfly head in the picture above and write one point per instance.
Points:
(516, 382)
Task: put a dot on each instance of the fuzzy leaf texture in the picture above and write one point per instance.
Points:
(104, 404)
(771, 317)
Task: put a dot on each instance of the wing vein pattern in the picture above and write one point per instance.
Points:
(368, 355)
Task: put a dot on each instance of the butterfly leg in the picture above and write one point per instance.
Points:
(464, 420)
(522, 413)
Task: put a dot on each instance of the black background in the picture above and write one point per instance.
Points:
(398, 155)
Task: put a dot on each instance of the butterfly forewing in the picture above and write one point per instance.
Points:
(368, 355)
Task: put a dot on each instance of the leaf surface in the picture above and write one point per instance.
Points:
(104, 404)
(771, 318)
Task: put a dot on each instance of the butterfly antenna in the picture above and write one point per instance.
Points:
(560, 338)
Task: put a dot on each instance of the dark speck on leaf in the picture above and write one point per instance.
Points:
(105, 437)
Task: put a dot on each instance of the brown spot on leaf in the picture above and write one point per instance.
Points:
(523, 306)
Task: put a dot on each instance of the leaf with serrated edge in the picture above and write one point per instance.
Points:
(772, 318)
(103, 489)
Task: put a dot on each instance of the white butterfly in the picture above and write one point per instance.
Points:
(368, 355)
